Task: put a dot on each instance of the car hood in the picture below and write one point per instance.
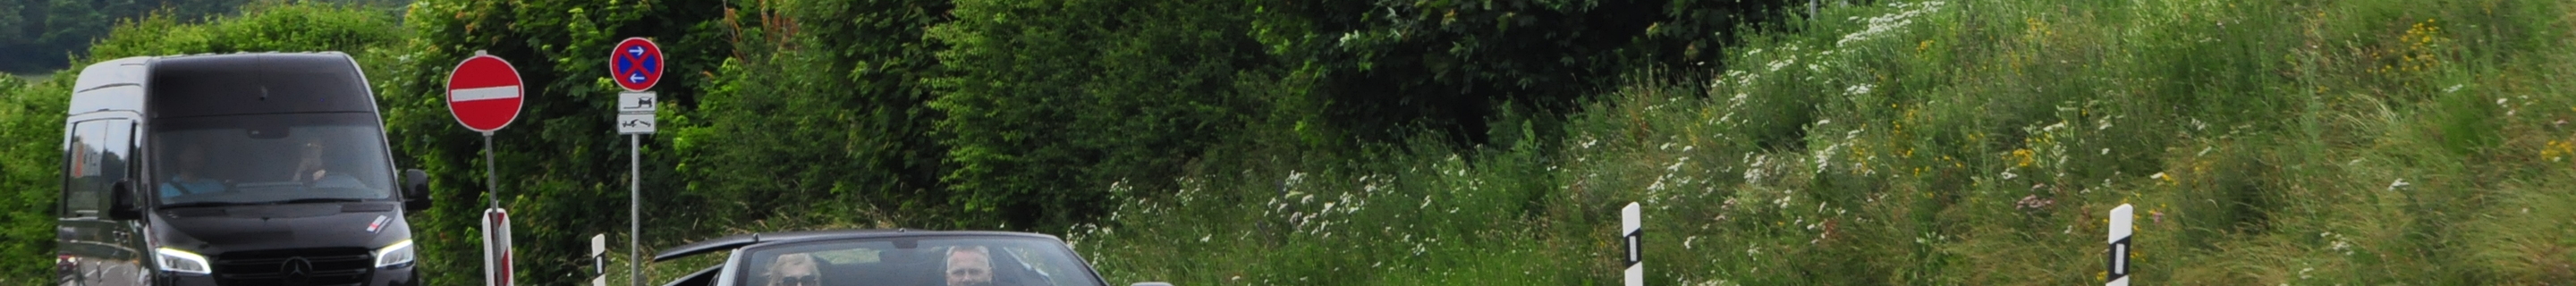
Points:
(213, 230)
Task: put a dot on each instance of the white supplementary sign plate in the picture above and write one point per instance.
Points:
(635, 102)
(635, 123)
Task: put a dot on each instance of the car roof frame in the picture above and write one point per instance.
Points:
(746, 240)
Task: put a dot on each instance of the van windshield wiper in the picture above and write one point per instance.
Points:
(318, 200)
(201, 204)
(293, 201)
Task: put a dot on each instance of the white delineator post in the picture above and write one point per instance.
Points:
(599, 259)
(1630, 219)
(2121, 219)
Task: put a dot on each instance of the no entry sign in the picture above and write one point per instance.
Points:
(484, 93)
(636, 64)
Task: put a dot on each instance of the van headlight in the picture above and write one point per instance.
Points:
(181, 261)
(398, 254)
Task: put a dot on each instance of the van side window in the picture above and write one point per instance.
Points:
(96, 159)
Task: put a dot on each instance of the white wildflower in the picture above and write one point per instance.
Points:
(1823, 158)
(1889, 23)
(2401, 182)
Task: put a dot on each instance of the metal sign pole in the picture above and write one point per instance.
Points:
(635, 119)
(490, 175)
(635, 209)
(495, 240)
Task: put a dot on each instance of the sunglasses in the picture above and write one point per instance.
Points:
(800, 280)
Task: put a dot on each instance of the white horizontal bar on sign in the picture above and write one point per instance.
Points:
(484, 93)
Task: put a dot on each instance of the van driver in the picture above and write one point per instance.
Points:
(185, 180)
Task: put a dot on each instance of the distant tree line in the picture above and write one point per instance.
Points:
(43, 35)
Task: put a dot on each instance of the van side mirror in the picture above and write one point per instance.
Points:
(415, 188)
(122, 206)
(1150, 284)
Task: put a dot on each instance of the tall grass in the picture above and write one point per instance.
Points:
(1980, 143)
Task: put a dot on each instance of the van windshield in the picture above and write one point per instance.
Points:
(270, 158)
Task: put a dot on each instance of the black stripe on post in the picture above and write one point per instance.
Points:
(2119, 266)
(1635, 241)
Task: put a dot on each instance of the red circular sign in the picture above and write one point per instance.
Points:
(636, 64)
(484, 93)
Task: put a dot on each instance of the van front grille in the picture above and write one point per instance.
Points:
(295, 267)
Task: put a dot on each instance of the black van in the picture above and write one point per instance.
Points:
(235, 169)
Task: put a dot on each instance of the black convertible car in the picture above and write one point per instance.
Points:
(896, 257)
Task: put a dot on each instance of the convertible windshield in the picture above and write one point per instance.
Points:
(272, 158)
(915, 262)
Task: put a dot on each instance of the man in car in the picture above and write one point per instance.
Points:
(185, 179)
(970, 266)
(794, 269)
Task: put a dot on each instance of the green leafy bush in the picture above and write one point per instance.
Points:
(1045, 101)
